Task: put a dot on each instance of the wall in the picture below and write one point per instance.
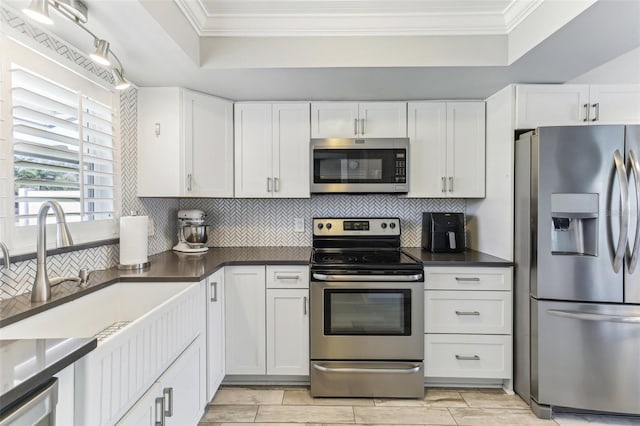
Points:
(160, 211)
(625, 69)
(269, 222)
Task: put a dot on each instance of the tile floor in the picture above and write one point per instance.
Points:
(236, 406)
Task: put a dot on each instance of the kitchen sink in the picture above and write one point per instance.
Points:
(101, 313)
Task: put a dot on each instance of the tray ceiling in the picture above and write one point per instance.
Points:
(241, 18)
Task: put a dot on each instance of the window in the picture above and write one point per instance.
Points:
(63, 149)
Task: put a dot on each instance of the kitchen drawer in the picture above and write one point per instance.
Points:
(447, 278)
(467, 356)
(287, 276)
(470, 312)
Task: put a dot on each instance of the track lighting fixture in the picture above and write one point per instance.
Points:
(101, 55)
(38, 10)
(77, 12)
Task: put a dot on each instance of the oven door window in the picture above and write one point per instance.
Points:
(357, 165)
(367, 312)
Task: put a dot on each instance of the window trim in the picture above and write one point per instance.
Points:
(22, 240)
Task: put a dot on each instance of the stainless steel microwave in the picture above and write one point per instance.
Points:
(368, 165)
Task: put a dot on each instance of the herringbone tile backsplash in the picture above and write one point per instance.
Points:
(264, 222)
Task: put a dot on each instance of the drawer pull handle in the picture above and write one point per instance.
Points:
(467, 313)
(467, 358)
(467, 279)
(287, 277)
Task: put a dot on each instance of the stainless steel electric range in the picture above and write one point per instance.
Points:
(367, 311)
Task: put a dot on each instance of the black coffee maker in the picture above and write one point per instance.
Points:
(443, 232)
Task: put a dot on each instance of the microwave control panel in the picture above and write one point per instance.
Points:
(401, 167)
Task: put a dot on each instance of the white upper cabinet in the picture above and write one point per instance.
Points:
(364, 119)
(185, 144)
(272, 150)
(447, 152)
(576, 104)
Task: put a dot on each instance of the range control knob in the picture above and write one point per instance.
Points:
(392, 225)
(320, 226)
(328, 225)
(383, 225)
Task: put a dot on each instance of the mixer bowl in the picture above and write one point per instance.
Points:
(195, 235)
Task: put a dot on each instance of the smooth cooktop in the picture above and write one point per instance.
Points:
(363, 258)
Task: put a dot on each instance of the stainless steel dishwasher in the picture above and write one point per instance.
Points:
(37, 409)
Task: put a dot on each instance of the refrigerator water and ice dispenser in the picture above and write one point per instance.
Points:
(574, 224)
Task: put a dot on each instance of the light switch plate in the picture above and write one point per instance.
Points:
(298, 224)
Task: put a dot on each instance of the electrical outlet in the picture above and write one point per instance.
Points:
(298, 224)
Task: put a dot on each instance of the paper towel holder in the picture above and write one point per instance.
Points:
(137, 266)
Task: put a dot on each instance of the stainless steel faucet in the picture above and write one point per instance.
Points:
(5, 252)
(41, 290)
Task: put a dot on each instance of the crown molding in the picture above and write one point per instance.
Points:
(280, 18)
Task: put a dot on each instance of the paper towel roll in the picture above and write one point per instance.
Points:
(134, 240)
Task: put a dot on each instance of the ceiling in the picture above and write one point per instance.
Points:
(357, 49)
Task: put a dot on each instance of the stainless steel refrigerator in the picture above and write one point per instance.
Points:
(577, 289)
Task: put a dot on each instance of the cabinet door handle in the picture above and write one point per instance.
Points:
(450, 183)
(304, 305)
(586, 112)
(189, 182)
(168, 394)
(362, 126)
(467, 358)
(159, 408)
(157, 130)
(596, 109)
(268, 184)
(276, 184)
(355, 126)
(467, 313)
(467, 279)
(287, 277)
(214, 291)
(444, 184)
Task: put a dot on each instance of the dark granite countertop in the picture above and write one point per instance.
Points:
(29, 363)
(466, 258)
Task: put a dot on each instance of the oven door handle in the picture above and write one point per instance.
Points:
(414, 368)
(367, 278)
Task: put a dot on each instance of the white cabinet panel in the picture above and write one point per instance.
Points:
(467, 278)
(468, 356)
(147, 411)
(465, 149)
(288, 331)
(382, 119)
(272, 150)
(215, 333)
(615, 104)
(209, 156)
(576, 104)
(352, 120)
(245, 339)
(334, 120)
(470, 312)
(427, 131)
(291, 150)
(551, 105)
(185, 144)
(287, 276)
(447, 157)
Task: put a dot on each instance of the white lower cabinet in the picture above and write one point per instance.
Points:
(288, 331)
(215, 332)
(178, 396)
(267, 320)
(468, 325)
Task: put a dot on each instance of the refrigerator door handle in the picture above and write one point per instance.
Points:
(590, 316)
(624, 211)
(632, 257)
